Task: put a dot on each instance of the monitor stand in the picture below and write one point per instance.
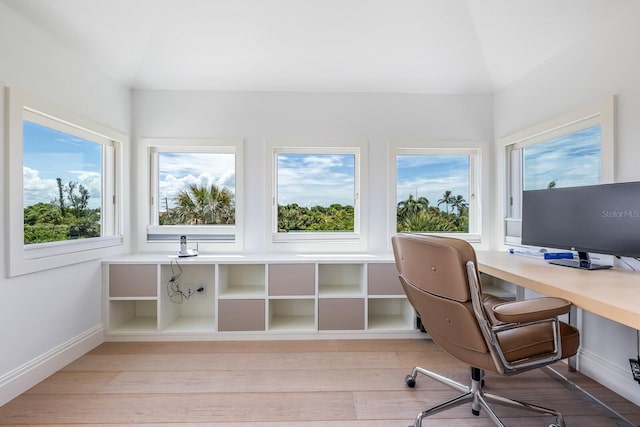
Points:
(583, 262)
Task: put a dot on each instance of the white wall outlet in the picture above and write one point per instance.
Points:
(189, 290)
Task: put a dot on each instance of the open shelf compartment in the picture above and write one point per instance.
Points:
(390, 314)
(242, 280)
(181, 313)
(292, 315)
(341, 280)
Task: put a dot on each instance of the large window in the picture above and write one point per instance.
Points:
(573, 150)
(316, 193)
(64, 203)
(194, 190)
(436, 191)
(62, 182)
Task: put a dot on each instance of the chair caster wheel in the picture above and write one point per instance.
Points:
(411, 382)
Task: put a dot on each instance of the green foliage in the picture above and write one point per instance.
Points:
(415, 215)
(200, 205)
(58, 221)
(336, 217)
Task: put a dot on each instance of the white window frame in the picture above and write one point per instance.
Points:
(319, 241)
(25, 259)
(600, 113)
(473, 150)
(213, 238)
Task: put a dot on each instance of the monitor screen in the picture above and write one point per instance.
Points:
(603, 219)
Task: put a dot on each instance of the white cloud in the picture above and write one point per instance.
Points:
(45, 190)
(180, 170)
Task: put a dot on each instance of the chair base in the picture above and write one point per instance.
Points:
(477, 397)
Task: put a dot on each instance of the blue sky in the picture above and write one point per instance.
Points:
(570, 160)
(306, 179)
(430, 176)
(179, 170)
(316, 179)
(50, 154)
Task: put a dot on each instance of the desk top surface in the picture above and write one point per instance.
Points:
(613, 293)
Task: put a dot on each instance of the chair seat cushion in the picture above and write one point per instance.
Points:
(537, 340)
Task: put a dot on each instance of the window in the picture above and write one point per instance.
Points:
(572, 150)
(436, 191)
(316, 193)
(64, 203)
(194, 189)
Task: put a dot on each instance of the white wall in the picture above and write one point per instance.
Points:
(605, 64)
(51, 316)
(257, 117)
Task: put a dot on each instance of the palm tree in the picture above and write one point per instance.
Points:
(412, 206)
(447, 199)
(459, 203)
(204, 205)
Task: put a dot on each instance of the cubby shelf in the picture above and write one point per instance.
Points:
(252, 295)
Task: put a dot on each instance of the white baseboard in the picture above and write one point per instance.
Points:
(609, 375)
(21, 379)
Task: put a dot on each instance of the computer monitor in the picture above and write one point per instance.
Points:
(602, 219)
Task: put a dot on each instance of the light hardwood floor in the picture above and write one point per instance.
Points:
(314, 383)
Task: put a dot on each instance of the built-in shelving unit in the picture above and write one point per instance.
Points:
(156, 297)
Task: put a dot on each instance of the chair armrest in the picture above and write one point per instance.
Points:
(531, 310)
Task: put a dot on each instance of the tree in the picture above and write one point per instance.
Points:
(460, 204)
(335, 217)
(199, 205)
(411, 205)
(78, 202)
(447, 198)
(64, 218)
(61, 195)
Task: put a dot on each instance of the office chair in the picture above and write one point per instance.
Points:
(440, 279)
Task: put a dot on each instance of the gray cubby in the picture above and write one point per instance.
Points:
(292, 279)
(241, 315)
(133, 280)
(340, 314)
(383, 279)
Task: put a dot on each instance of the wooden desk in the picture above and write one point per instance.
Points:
(613, 294)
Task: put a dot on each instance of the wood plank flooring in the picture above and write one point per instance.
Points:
(315, 383)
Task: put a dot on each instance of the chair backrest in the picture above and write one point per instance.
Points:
(433, 274)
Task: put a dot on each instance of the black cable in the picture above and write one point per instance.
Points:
(173, 286)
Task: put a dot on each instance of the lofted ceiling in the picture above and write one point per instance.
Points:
(406, 46)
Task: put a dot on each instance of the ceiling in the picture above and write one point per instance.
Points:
(406, 46)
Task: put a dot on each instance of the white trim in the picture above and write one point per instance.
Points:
(45, 256)
(25, 376)
(609, 375)
(147, 187)
(601, 112)
(477, 179)
(318, 241)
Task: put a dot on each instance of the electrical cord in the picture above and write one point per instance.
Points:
(173, 286)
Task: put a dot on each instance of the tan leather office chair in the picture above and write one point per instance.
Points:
(440, 279)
